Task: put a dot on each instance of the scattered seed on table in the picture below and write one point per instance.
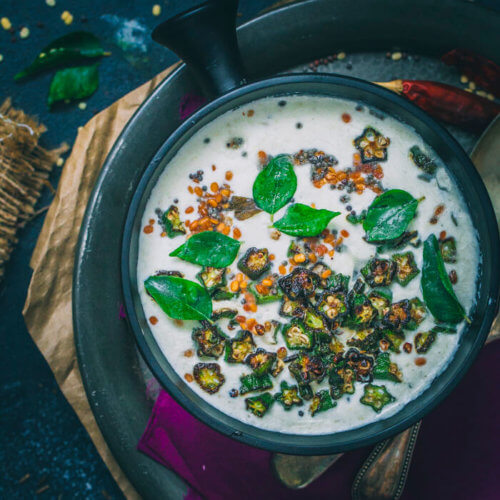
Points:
(82, 105)
(60, 162)
(67, 17)
(51, 3)
(396, 56)
(1, 58)
(464, 79)
(472, 85)
(6, 24)
(25, 32)
(341, 55)
(156, 10)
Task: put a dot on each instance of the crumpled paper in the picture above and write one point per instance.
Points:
(47, 311)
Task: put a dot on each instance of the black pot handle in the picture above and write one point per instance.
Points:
(205, 38)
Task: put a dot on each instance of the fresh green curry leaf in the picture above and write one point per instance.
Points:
(208, 248)
(275, 185)
(74, 48)
(73, 83)
(303, 220)
(437, 289)
(389, 215)
(180, 298)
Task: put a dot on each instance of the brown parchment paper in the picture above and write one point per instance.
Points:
(47, 311)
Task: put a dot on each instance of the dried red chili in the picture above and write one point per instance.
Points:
(480, 70)
(447, 103)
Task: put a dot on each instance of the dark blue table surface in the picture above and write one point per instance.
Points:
(41, 440)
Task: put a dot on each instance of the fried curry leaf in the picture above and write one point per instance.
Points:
(73, 83)
(303, 220)
(180, 298)
(389, 215)
(275, 185)
(437, 289)
(74, 48)
(208, 248)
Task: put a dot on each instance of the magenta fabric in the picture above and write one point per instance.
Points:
(457, 454)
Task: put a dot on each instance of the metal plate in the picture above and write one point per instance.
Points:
(290, 36)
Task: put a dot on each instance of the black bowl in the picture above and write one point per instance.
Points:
(472, 190)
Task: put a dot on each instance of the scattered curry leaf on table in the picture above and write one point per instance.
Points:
(275, 185)
(73, 83)
(437, 289)
(303, 220)
(389, 215)
(180, 298)
(72, 49)
(209, 248)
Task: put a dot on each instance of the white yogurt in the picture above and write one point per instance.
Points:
(272, 128)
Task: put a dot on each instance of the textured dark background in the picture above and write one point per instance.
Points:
(40, 434)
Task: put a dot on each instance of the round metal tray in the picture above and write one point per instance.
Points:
(112, 371)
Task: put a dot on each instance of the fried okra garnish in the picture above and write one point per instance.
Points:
(372, 145)
(315, 322)
(406, 268)
(333, 306)
(288, 396)
(448, 248)
(381, 300)
(339, 282)
(361, 363)
(209, 340)
(254, 382)
(323, 272)
(172, 223)
(292, 308)
(224, 312)
(398, 315)
(341, 379)
(212, 278)
(423, 341)
(321, 401)
(238, 348)
(208, 376)
(305, 391)
(260, 404)
(307, 368)
(299, 247)
(255, 262)
(267, 290)
(362, 311)
(376, 396)
(365, 340)
(394, 340)
(418, 312)
(299, 284)
(422, 161)
(379, 272)
(297, 336)
(386, 370)
(261, 361)
(223, 293)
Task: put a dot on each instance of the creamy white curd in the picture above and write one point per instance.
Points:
(273, 128)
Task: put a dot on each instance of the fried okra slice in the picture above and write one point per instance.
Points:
(362, 311)
(254, 382)
(223, 293)
(299, 284)
(172, 223)
(448, 248)
(296, 248)
(365, 340)
(255, 262)
(386, 370)
(418, 312)
(341, 380)
(305, 391)
(423, 341)
(260, 404)
(212, 278)
(292, 308)
(406, 268)
(361, 363)
(297, 336)
(376, 396)
(398, 315)
(307, 368)
(323, 272)
(224, 312)
(422, 161)
(267, 290)
(288, 396)
(321, 401)
(261, 361)
(379, 272)
(208, 376)
(315, 322)
(394, 340)
(339, 282)
(372, 145)
(209, 340)
(238, 348)
(333, 306)
(381, 299)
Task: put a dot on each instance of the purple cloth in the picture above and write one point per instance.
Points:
(456, 456)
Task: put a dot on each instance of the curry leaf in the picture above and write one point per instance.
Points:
(74, 48)
(73, 83)
(208, 248)
(436, 286)
(275, 185)
(303, 220)
(389, 215)
(180, 298)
